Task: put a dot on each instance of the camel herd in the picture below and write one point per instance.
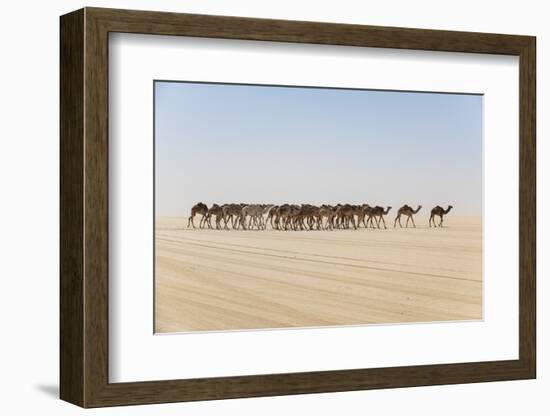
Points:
(304, 217)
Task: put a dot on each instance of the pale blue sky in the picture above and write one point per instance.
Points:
(239, 143)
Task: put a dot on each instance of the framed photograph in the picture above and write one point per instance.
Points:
(255, 207)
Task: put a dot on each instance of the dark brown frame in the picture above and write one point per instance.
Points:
(84, 207)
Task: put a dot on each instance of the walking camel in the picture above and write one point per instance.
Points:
(378, 214)
(217, 211)
(408, 212)
(328, 212)
(198, 208)
(344, 215)
(232, 213)
(440, 212)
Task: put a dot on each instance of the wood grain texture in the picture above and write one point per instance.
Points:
(72, 215)
(84, 203)
(528, 208)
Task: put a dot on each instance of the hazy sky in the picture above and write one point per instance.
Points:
(236, 143)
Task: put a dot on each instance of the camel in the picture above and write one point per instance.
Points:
(328, 212)
(232, 212)
(255, 212)
(287, 217)
(271, 215)
(346, 214)
(408, 212)
(311, 215)
(217, 211)
(293, 218)
(266, 209)
(198, 208)
(361, 213)
(378, 214)
(440, 212)
(282, 214)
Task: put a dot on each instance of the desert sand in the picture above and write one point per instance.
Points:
(208, 280)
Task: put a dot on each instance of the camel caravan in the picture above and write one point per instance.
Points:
(291, 217)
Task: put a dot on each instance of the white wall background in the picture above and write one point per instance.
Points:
(29, 209)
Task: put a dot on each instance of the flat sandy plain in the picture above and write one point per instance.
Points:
(208, 280)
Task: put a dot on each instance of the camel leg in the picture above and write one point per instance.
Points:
(190, 220)
(407, 223)
(430, 222)
(399, 220)
(441, 221)
(382, 218)
(395, 221)
(201, 223)
(412, 219)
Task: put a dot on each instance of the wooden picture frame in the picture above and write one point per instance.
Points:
(84, 207)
